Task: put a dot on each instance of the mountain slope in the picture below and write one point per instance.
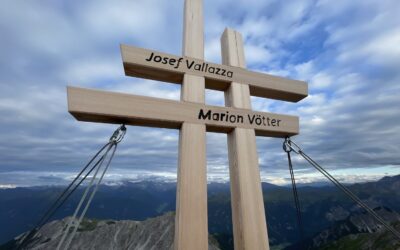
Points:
(381, 240)
(358, 231)
(155, 233)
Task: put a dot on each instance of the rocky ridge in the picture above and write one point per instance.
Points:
(153, 234)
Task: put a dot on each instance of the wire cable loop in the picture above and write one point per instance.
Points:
(291, 146)
(118, 134)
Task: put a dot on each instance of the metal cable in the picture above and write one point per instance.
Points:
(295, 195)
(44, 219)
(347, 191)
(296, 201)
(90, 200)
(61, 198)
(116, 137)
(351, 195)
(72, 219)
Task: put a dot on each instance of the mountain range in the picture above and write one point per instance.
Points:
(21, 208)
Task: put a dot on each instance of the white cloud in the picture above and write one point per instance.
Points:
(320, 80)
(257, 55)
(7, 186)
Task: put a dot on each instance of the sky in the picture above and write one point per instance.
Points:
(347, 51)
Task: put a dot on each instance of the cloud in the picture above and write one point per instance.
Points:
(346, 50)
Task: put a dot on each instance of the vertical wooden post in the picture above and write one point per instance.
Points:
(249, 224)
(191, 226)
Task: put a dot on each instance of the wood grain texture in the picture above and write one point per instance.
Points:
(248, 216)
(193, 29)
(110, 107)
(191, 227)
(193, 89)
(191, 221)
(260, 84)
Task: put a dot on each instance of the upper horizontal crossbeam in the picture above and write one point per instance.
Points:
(155, 65)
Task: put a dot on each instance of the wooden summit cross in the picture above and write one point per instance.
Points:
(193, 118)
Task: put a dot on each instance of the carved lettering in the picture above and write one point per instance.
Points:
(190, 64)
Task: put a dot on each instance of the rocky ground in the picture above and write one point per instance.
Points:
(151, 234)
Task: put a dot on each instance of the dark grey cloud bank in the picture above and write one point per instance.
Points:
(347, 50)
